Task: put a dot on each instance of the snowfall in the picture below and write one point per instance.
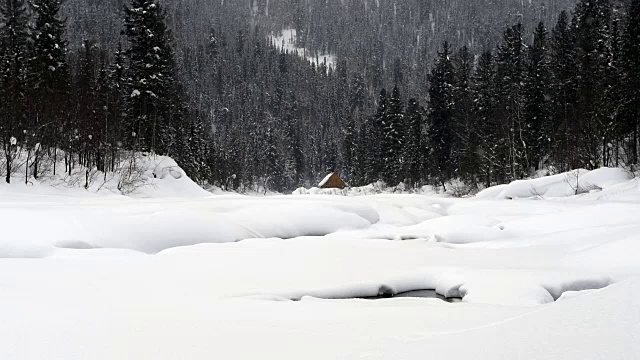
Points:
(528, 270)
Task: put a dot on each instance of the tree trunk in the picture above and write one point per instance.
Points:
(35, 166)
(8, 179)
(55, 158)
(26, 169)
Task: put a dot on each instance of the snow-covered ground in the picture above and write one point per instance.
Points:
(181, 274)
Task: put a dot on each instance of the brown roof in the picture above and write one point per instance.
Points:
(332, 181)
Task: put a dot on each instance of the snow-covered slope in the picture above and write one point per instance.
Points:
(86, 276)
(286, 41)
(143, 176)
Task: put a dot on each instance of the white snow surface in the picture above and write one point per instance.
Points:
(178, 273)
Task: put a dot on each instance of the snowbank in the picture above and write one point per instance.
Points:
(152, 226)
(145, 176)
(561, 185)
(376, 188)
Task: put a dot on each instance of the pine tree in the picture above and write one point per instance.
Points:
(631, 82)
(537, 99)
(49, 77)
(154, 109)
(441, 115)
(13, 63)
(393, 139)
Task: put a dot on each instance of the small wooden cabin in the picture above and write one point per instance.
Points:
(332, 181)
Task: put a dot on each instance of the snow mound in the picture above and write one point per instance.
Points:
(561, 185)
(569, 330)
(143, 176)
(150, 226)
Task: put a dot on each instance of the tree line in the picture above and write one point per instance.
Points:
(87, 108)
(567, 99)
(237, 112)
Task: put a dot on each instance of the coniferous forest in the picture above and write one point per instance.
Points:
(415, 97)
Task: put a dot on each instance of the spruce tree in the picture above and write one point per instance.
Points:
(466, 141)
(49, 79)
(593, 19)
(441, 115)
(631, 83)
(486, 125)
(413, 141)
(349, 146)
(393, 140)
(374, 128)
(13, 64)
(511, 66)
(154, 111)
(86, 122)
(272, 169)
(562, 64)
(614, 129)
(537, 99)
(117, 101)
